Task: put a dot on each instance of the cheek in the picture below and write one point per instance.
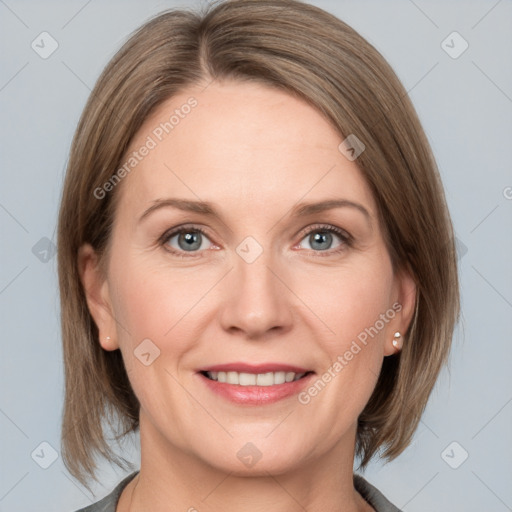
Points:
(356, 306)
(151, 305)
(350, 300)
(165, 306)
(150, 300)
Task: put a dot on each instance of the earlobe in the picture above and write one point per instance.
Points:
(97, 293)
(407, 303)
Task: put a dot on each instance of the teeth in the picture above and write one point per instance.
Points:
(253, 379)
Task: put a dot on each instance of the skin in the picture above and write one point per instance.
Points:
(252, 152)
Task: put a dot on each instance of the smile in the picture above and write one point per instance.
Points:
(245, 384)
(252, 379)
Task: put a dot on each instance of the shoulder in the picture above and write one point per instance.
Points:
(373, 496)
(109, 502)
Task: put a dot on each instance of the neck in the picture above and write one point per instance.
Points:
(171, 479)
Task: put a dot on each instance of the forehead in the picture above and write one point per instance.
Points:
(239, 144)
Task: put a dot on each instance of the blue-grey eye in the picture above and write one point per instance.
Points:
(322, 240)
(188, 240)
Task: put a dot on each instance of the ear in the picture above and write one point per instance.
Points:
(96, 289)
(404, 305)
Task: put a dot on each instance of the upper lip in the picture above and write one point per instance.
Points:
(253, 368)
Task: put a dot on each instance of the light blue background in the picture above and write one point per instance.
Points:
(465, 105)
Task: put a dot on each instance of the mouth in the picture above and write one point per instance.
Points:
(245, 384)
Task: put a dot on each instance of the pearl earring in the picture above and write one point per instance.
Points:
(397, 340)
(108, 338)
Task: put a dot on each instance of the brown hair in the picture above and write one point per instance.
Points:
(307, 52)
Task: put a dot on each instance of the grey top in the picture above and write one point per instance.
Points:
(371, 494)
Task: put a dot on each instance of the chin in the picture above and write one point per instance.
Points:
(259, 457)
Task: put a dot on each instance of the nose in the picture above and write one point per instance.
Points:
(257, 302)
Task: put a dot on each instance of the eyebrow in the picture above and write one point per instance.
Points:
(299, 210)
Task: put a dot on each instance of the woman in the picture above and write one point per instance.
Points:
(256, 264)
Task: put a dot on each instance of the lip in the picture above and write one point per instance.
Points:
(255, 395)
(254, 368)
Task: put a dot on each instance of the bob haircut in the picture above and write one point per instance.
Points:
(312, 55)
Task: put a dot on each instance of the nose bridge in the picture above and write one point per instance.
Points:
(257, 301)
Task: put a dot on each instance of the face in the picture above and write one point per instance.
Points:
(247, 248)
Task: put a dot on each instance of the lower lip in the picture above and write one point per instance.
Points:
(256, 395)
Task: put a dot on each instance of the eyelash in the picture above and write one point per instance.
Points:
(346, 239)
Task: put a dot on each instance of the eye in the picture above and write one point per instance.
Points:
(325, 238)
(186, 239)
